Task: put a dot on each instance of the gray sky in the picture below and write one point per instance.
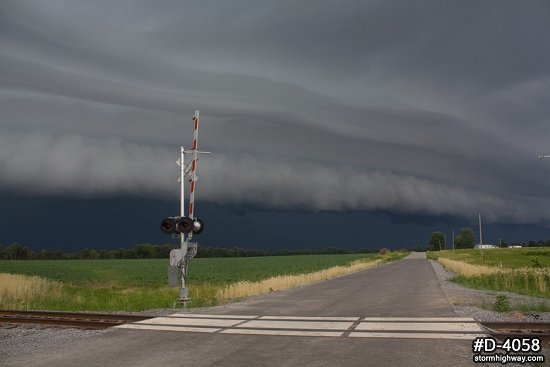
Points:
(432, 107)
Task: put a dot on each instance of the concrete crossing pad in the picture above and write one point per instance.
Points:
(315, 326)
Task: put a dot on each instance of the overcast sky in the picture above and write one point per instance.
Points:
(431, 107)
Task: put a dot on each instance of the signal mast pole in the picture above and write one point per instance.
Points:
(182, 193)
(184, 242)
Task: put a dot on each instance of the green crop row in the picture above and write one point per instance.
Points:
(153, 272)
(140, 284)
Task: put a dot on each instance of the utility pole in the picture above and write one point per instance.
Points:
(480, 233)
(453, 239)
(480, 236)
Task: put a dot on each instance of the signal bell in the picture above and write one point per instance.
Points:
(198, 226)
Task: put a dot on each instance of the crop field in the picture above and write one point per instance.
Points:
(520, 270)
(135, 285)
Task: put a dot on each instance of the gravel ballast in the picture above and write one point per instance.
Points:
(29, 339)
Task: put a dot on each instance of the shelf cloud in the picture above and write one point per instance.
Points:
(437, 108)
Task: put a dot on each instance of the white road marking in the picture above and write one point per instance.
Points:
(282, 332)
(203, 316)
(417, 319)
(166, 328)
(306, 325)
(373, 327)
(416, 335)
(310, 318)
(189, 322)
(419, 326)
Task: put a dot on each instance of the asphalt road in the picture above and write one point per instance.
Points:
(406, 288)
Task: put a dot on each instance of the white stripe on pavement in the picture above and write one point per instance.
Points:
(417, 319)
(310, 318)
(416, 335)
(419, 326)
(306, 325)
(282, 332)
(354, 327)
(167, 328)
(176, 321)
(203, 316)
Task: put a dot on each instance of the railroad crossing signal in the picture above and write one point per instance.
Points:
(184, 226)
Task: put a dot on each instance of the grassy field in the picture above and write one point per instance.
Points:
(504, 257)
(135, 285)
(522, 270)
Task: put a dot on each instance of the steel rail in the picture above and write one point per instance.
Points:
(510, 329)
(68, 319)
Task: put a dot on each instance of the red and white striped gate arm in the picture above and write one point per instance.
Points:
(194, 177)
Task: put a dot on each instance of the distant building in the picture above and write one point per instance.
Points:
(485, 246)
(515, 246)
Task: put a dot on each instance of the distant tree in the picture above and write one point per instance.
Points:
(437, 241)
(163, 251)
(466, 238)
(93, 255)
(45, 255)
(117, 254)
(16, 251)
(333, 250)
(84, 254)
(144, 251)
(129, 253)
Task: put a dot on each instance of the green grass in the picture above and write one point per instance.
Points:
(505, 257)
(523, 270)
(134, 285)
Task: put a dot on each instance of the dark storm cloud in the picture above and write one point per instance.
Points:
(432, 107)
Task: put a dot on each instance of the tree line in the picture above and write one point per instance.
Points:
(466, 239)
(16, 251)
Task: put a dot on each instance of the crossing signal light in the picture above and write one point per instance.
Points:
(184, 225)
(168, 225)
(177, 225)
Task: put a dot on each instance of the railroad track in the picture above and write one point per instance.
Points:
(80, 320)
(518, 329)
(84, 320)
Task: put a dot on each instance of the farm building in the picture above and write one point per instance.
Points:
(485, 246)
